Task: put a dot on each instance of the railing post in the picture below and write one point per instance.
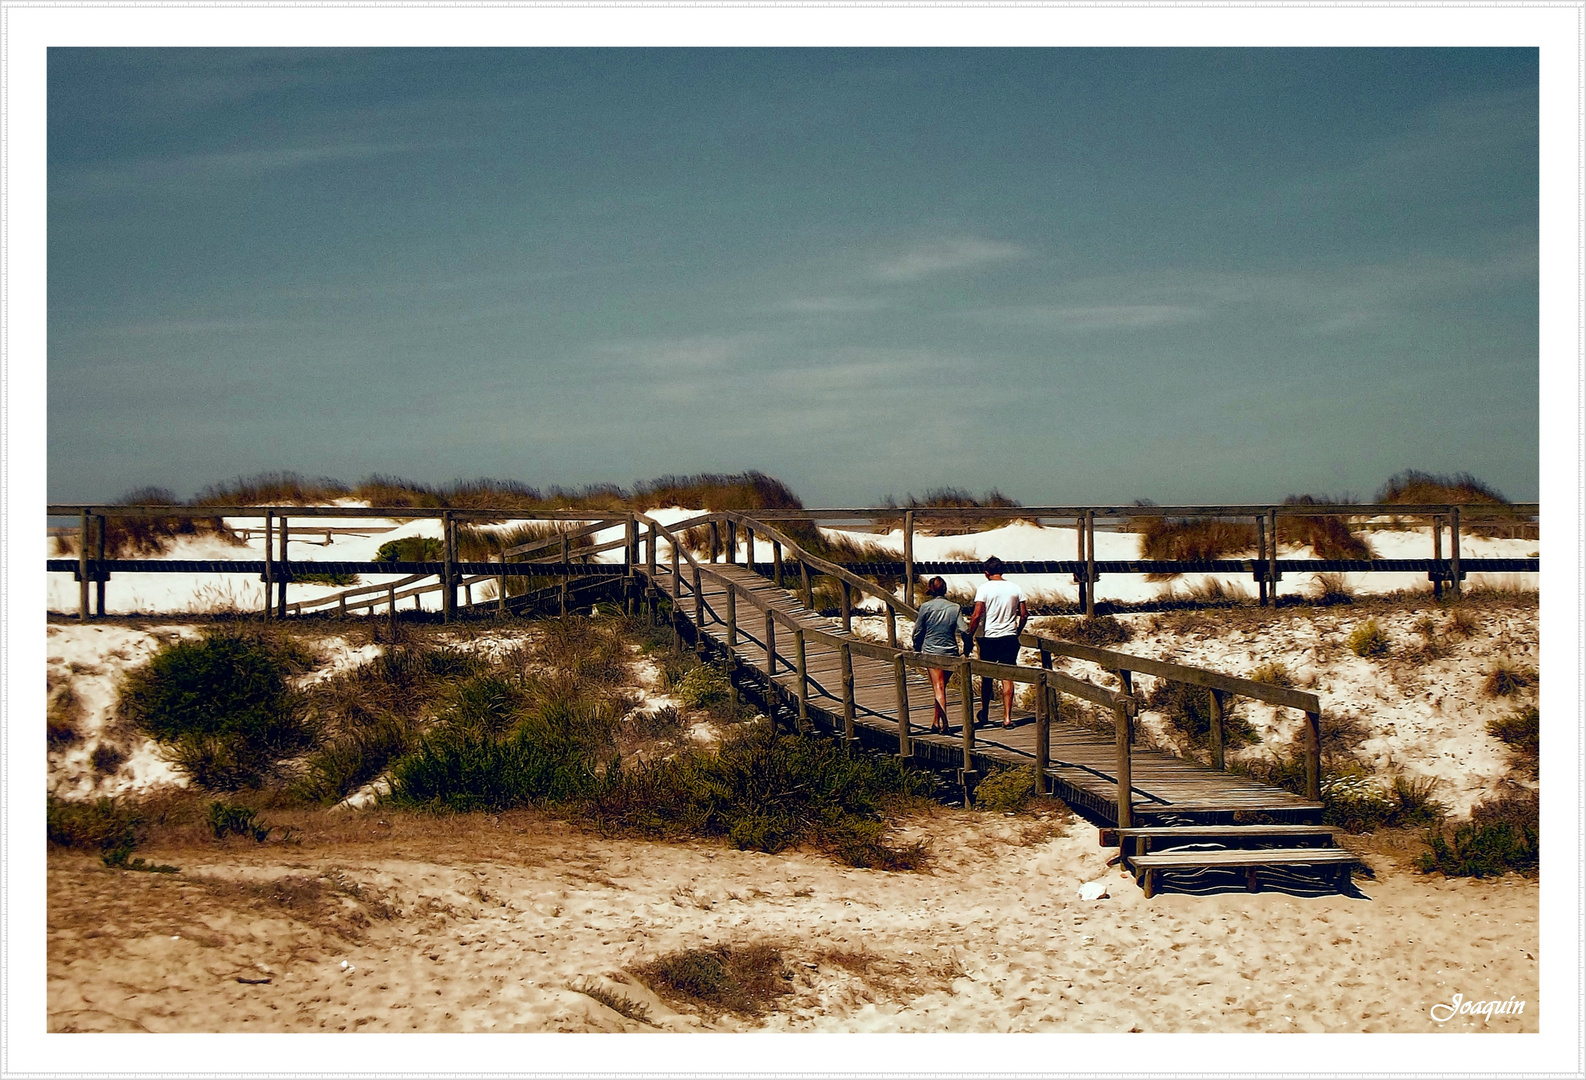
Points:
(1126, 683)
(732, 646)
(1453, 551)
(566, 576)
(1125, 778)
(802, 678)
(649, 551)
(908, 556)
(1272, 556)
(699, 615)
(892, 625)
(1043, 733)
(82, 565)
(968, 695)
(501, 585)
(770, 666)
(1214, 700)
(101, 575)
(901, 679)
(269, 570)
(776, 562)
(809, 594)
(677, 588)
(341, 604)
(716, 544)
(629, 557)
(286, 570)
(1090, 564)
(1261, 557)
(848, 606)
(748, 547)
(1437, 555)
(448, 554)
(1313, 756)
(846, 650)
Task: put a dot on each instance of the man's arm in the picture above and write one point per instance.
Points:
(974, 619)
(1024, 617)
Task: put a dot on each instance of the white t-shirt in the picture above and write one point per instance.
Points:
(1002, 600)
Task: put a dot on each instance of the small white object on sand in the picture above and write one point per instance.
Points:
(1093, 890)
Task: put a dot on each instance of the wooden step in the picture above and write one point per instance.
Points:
(1143, 835)
(1145, 867)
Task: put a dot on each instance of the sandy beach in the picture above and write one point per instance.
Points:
(486, 923)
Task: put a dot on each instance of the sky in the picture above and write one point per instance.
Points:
(1074, 275)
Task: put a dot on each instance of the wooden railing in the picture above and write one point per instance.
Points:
(1049, 684)
(1266, 568)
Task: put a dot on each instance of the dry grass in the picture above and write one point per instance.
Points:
(939, 504)
(64, 715)
(1191, 539)
(273, 489)
(138, 537)
(1327, 535)
(1507, 678)
(744, 980)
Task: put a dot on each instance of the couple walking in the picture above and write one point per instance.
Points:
(997, 621)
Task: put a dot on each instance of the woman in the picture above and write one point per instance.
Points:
(936, 634)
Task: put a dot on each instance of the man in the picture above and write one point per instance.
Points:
(1000, 608)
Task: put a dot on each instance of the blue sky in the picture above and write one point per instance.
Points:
(1084, 275)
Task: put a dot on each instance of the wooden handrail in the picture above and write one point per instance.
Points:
(1117, 661)
(1501, 511)
(601, 524)
(828, 568)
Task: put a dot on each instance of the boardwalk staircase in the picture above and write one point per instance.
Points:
(1190, 851)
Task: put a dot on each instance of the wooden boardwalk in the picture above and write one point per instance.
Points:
(1082, 767)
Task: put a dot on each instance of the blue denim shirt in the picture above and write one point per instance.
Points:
(936, 628)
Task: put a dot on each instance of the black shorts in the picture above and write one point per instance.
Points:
(1000, 650)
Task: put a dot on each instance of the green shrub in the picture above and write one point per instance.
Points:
(1005, 790)
(220, 706)
(342, 580)
(372, 714)
(462, 772)
(1368, 639)
(1188, 709)
(411, 549)
(1522, 730)
(230, 819)
(1504, 834)
(1358, 803)
(113, 828)
(1273, 673)
(702, 687)
(763, 792)
(1351, 800)
(104, 824)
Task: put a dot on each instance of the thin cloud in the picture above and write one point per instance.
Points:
(947, 257)
(832, 305)
(1097, 317)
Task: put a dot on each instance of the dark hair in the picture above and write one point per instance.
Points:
(936, 587)
(993, 565)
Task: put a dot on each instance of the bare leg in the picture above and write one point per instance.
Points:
(1007, 703)
(939, 688)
